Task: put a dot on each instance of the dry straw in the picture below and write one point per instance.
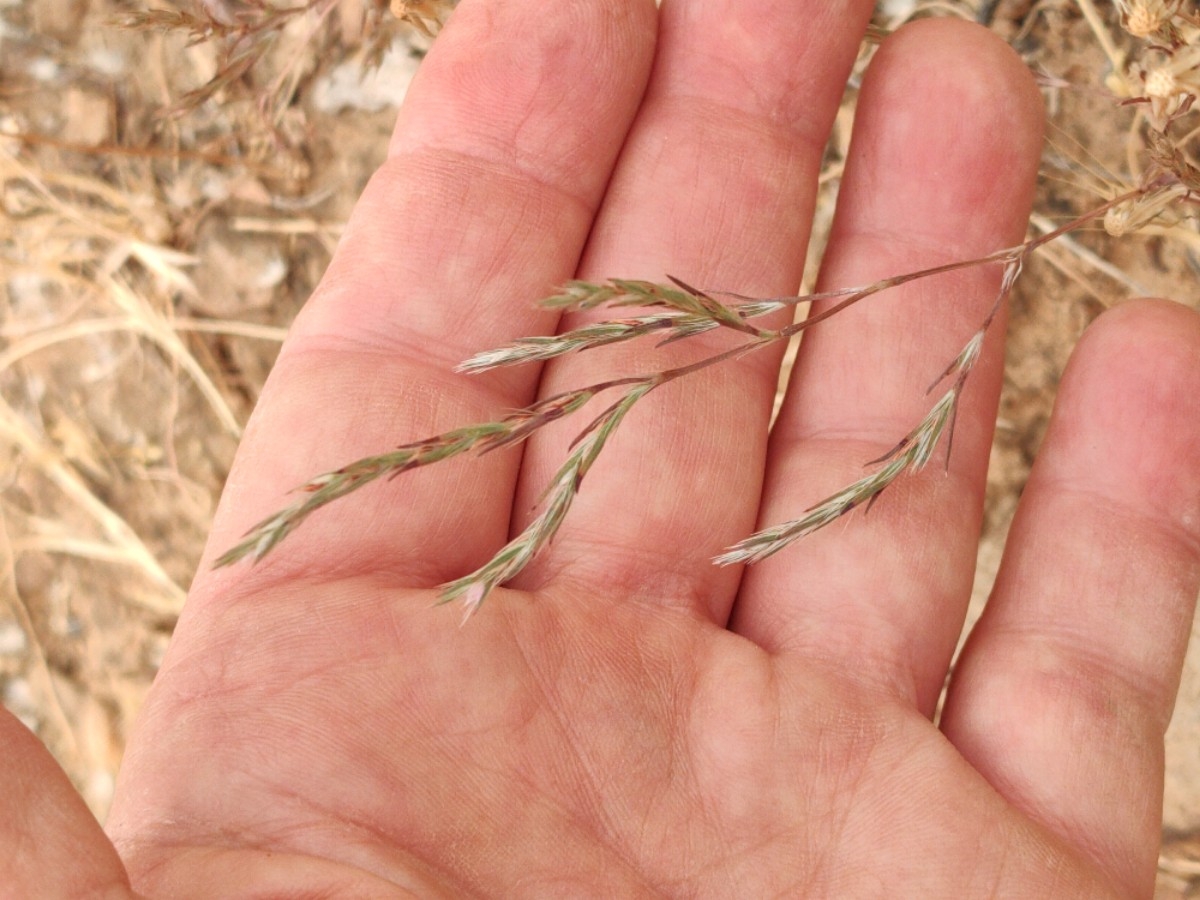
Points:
(255, 30)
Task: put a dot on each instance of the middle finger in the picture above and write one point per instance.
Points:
(716, 185)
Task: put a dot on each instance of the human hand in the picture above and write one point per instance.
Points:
(628, 719)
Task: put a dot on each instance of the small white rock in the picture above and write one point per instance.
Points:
(44, 69)
(12, 639)
(272, 273)
(350, 86)
(18, 699)
(106, 62)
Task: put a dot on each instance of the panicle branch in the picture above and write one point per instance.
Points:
(686, 311)
(473, 589)
(324, 489)
(613, 331)
(910, 455)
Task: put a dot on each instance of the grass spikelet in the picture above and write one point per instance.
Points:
(474, 588)
(324, 489)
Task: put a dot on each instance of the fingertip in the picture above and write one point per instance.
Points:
(1128, 415)
(499, 65)
(1145, 322)
(954, 125)
(947, 51)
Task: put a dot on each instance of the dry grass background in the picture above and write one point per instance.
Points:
(152, 262)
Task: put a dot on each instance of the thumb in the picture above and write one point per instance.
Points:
(50, 844)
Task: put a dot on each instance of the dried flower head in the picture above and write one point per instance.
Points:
(1170, 86)
(424, 15)
(1134, 214)
(1145, 18)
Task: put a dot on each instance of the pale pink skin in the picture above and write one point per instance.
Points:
(628, 719)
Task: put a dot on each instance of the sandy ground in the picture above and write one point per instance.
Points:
(152, 263)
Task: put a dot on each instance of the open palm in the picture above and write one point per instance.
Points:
(626, 718)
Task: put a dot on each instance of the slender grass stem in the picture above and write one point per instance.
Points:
(683, 311)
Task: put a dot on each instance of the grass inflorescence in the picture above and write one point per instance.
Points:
(684, 312)
(1160, 76)
(116, 333)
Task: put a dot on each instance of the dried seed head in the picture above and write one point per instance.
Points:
(424, 15)
(1138, 212)
(1144, 18)
(1170, 84)
(1161, 83)
(1118, 221)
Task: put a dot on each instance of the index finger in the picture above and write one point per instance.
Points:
(499, 160)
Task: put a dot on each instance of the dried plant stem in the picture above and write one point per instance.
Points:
(41, 670)
(128, 323)
(116, 530)
(106, 148)
(1115, 57)
(683, 312)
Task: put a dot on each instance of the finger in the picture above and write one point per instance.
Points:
(1064, 690)
(716, 186)
(50, 844)
(941, 169)
(499, 160)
